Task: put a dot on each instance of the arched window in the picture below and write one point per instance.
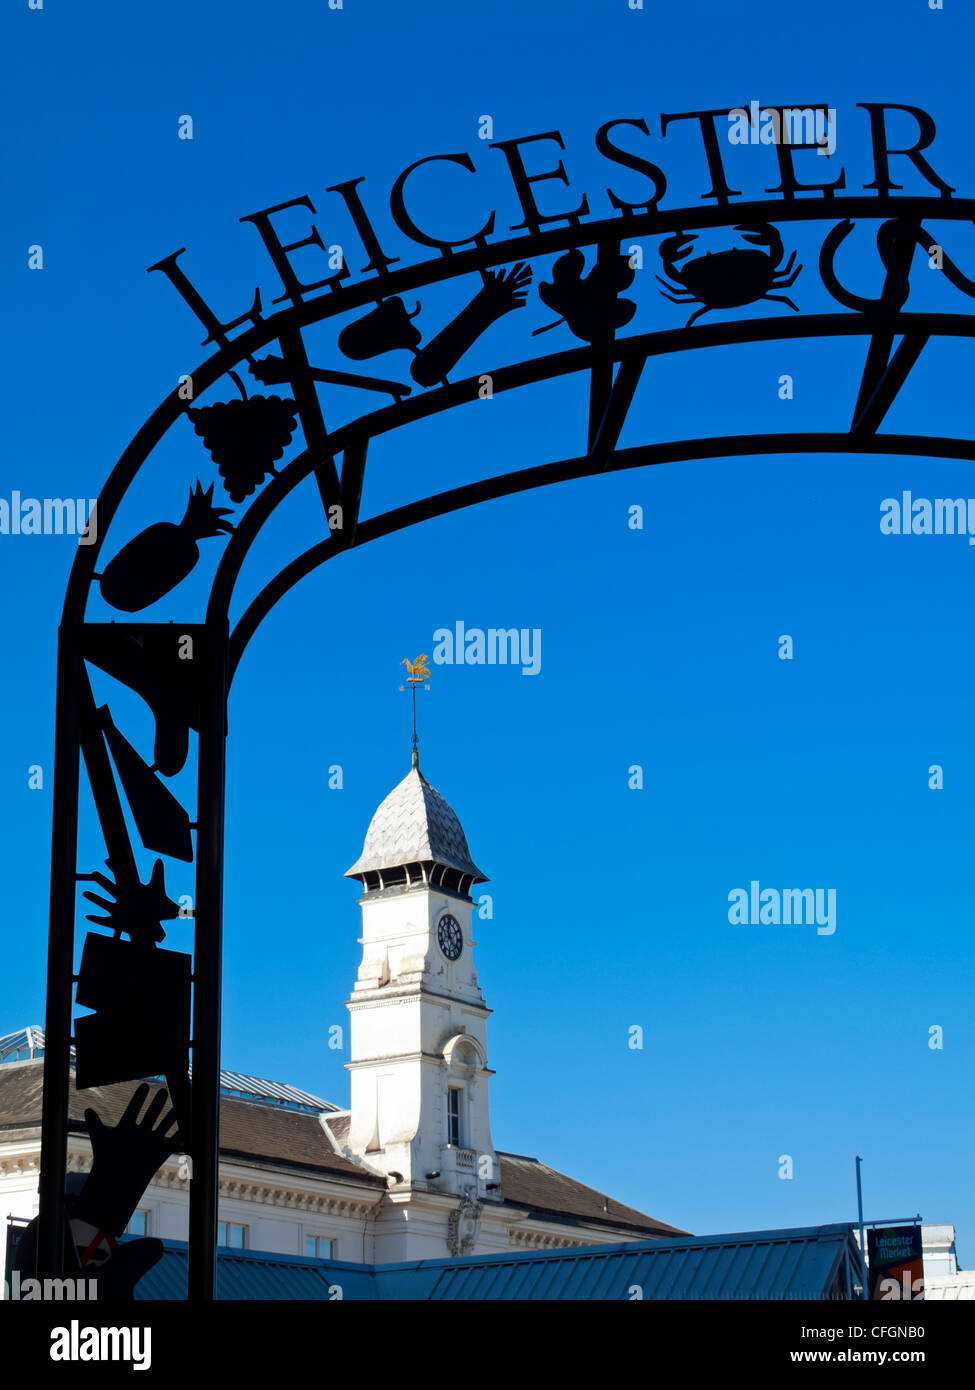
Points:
(462, 1060)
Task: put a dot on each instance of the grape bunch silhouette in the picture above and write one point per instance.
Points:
(245, 438)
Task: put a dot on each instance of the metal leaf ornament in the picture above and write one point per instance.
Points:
(589, 304)
(157, 559)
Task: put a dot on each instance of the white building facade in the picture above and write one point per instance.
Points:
(409, 1170)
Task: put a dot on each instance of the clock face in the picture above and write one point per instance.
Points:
(450, 937)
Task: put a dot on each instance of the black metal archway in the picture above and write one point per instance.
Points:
(186, 686)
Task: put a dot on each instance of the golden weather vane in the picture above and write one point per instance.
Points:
(419, 673)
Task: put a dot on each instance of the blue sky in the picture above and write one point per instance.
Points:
(659, 645)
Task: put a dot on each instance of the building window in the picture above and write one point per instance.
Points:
(453, 1116)
(228, 1233)
(319, 1247)
(139, 1225)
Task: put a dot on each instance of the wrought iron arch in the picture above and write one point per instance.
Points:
(140, 654)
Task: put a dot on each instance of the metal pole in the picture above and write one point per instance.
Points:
(60, 960)
(897, 1221)
(863, 1241)
(207, 958)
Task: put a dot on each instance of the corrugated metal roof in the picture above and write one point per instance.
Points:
(790, 1264)
(807, 1263)
(252, 1274)
(236, 1083)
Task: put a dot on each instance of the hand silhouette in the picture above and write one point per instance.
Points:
(504, 290)
(124, 1160)
(500, 293)
(139, 907)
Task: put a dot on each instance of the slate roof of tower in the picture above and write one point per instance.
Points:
(415, 825)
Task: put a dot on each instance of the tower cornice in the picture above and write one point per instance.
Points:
(408, 994)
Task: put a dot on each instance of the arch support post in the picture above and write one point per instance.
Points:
(60, 959)
(207, 963)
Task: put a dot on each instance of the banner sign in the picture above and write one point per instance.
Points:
(896, 1265)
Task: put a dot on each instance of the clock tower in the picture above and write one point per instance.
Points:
(418, 1044)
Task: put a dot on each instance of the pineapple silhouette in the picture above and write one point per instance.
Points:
(157, 559)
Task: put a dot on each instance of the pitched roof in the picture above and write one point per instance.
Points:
(21, 1086)
(549, 1193)
(28, 1044)
(250, 1130)
(414, 825)
(271, 1133)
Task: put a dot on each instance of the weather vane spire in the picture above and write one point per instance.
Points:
(419, 672)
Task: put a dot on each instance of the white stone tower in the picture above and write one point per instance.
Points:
(419, 1105)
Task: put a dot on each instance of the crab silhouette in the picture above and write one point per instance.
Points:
(590, 305)
(726, 279)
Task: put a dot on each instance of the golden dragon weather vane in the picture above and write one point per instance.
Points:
(419, 673)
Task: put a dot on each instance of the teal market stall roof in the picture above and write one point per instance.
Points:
(812, 1262)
